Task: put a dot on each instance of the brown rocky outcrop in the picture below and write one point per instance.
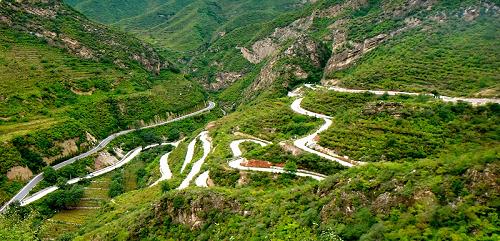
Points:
(345, 53)
(190, 208)
(19, 173)
(268, 46)
(223, 80)
(68, 148)
(304, 48)
(104, 159)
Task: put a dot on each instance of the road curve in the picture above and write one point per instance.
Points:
(189, 154)
(201, 180)
(165, 171)
(35, 180)
(127, 158)
(236, 163)
(303, 143)
(207, 146)
(473, 101)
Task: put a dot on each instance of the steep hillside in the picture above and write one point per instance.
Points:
(370, 44)
(426, 184)
(66, 82)
(339, 120)
(182, 25)
(399, 45)
(61, 26)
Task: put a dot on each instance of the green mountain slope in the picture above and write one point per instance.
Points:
(182, 25)
(423, 168)
(420, 195)
(65, 80)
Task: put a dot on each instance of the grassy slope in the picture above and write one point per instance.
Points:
(182, 25)
(423, 61)
(436, 196)
(49, 95)
(401, 128)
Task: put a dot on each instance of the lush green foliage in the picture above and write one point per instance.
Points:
(276, 154)
(402, 128)
(182, 25)
(431, 171)
(423, 61)
(117, 185)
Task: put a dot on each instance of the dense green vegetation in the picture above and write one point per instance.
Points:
(182, 25)
(401, 128)
(356, 204)
(117, 185)
(423, 61)
(56, 101)
(431, 167)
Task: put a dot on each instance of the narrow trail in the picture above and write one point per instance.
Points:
(237, 163)
(207, 146)
(165, 171)
(38, 178)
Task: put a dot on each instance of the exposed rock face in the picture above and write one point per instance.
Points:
(189, 208)
(290, 148)
(341, 59)
(104, 159)
(260, 50)
(90, 138)
(5, 20)
(486, 179)
(471, 13)
(267, 46)
(304, 48)
(68, 148)
(224, 79)
(19, 173)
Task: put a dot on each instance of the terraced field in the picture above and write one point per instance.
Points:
(70, 220)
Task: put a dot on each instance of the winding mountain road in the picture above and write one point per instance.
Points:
(189, 154)
(238, 161)
(201, 180)
(305, 142)
(207, 146)
(36, 179)
(127, 158)
(473, 101)
(165, 171)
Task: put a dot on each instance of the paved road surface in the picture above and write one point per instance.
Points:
(473, 101)
(303, 143)
(236, 163)
(127, 158)
(201, 180)
(207, 146)
(189, 154)
(165, 171)
(35, 180)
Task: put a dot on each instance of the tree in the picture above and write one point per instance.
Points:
(117, 185)
(291, 167)
(165, 187)
(50, 175)
(435, 93)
